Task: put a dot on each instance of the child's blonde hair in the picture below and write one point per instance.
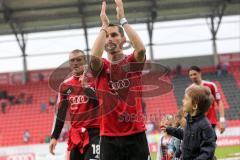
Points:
(201, 96)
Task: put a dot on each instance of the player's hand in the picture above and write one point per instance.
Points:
(103, 15)
(222, 127)
(119, 9)
(83, 79)
(52, 146)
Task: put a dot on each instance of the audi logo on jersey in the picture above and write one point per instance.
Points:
(121, 84)
(78, 99)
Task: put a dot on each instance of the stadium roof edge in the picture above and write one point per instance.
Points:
(28, 16)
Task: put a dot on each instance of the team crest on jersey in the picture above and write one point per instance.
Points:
(121, 84)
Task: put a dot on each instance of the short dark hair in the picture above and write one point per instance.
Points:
(201, 96)
(75, 51)
(78, 51)
(120, 29)
(195, 68)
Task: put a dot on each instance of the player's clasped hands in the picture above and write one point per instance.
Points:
(119, 10)
(103, 15)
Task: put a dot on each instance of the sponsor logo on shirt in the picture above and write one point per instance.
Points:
(78, 99)
(121, 84)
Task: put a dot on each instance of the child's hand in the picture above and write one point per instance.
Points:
(163, 128)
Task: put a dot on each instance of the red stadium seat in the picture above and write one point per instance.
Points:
(27, 117)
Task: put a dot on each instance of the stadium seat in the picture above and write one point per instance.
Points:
(29, 116)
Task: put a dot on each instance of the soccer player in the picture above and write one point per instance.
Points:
(196, 77)
(122, 134)
(76, 100)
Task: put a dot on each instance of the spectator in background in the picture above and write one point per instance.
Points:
(3, 94)
(43, 107)
(150, 127)
(225, 68)
(3, 104)
(166, 148)
(29, 99)
(20, 98)
(26, 136)
(12, 100)
(40, 77)
(180, 123)
(181, 118)
(52, 101)
(219, 69)
(178, 69)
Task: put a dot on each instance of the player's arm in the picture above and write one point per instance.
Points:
(59, 119)
(221, 110)
(136, 41)
(98, 46)
(222, 115)
(58, 123)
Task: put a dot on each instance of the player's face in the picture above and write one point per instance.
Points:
(114, 40)
(76, 62)
(187, 103)
(195, 76)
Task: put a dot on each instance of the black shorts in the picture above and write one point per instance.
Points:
(92, 151)
(133, 147)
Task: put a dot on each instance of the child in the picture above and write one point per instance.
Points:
(199, 139)
(181, 118)
(166, 147)
(180, 123)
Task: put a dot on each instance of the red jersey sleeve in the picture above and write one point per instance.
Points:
(131, 58)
